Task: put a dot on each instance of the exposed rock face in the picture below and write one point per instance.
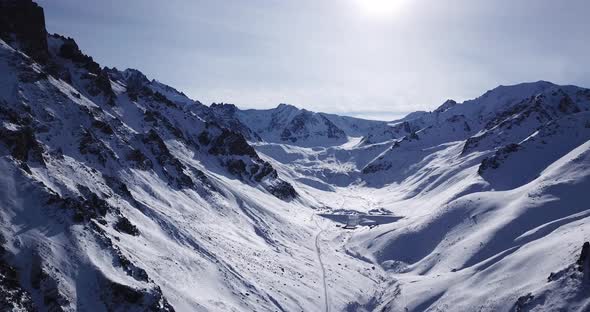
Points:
(135, 79)
(102, 84)
(70, 50)
(141, 161)
(226, 116)
(24, 20)
(123, 225)
(23, 144)
(584, 260)
(522, 302)
(118, 297)
(372, 168)
(171, 167)
(567, 105)
(231, 143)
(12, 296)
(307, 124)
(333, 131)
(495, 161)
(84, 208)
(283, 190)
(445, 106)
(96, 80)
(93, 147)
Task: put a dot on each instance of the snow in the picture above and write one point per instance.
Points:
(469, 207)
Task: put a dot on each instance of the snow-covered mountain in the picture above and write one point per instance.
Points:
(299, 127)
(120, 193)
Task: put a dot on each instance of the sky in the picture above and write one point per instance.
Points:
(375, 59)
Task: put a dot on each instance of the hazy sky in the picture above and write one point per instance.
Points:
(367, 58)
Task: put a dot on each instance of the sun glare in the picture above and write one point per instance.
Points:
(380, 7)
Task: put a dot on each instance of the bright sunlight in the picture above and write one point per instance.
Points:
(380, 7)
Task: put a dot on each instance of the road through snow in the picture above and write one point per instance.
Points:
(319, 254)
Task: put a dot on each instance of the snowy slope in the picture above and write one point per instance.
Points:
(492, 204)
(114, 191)
(487, 249)
(120, 193)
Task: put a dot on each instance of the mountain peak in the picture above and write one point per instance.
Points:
(522, 88)
(284, 106)
(445, 106)
(134, 74)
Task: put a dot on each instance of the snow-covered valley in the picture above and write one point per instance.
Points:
(119, 193)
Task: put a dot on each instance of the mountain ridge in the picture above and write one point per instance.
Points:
(120, 193)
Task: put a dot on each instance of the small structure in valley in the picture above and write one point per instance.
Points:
(352, 222)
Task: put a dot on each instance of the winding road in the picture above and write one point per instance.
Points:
(319, 254)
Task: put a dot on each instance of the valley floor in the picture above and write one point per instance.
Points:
(451, 246)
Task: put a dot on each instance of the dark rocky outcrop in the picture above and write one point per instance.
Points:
(296, 129)
(264, 170)
(534, 103)
(495, 161)
(122, 297)
(403, 127)
(377, 167)
(14, 116)
(172, 168)
(134, 79)
(22, 144)
(98, 78)
(44, 283)
(471, 143)
(241, 160)
(12, 295)
(23, 22)
(445, 106)
(567, 105)
(102, 126)
(84, 208)
(231, 143)
(118, 186)
(53, 300)
(92, 146)
(584, 259)
(137, 83)
(100, 84)
(332, 132)
(70, 50)
(119, 258)
(123, 225)
(140, 160)
(159, 97)
(283, 190)
(226, 116)
(204, 138)
(522, 302)
(236, 167)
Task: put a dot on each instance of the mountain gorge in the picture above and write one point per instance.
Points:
(120, 193)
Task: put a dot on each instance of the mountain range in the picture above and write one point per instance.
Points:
(121, 193)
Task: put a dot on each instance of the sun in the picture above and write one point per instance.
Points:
(380, 7)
